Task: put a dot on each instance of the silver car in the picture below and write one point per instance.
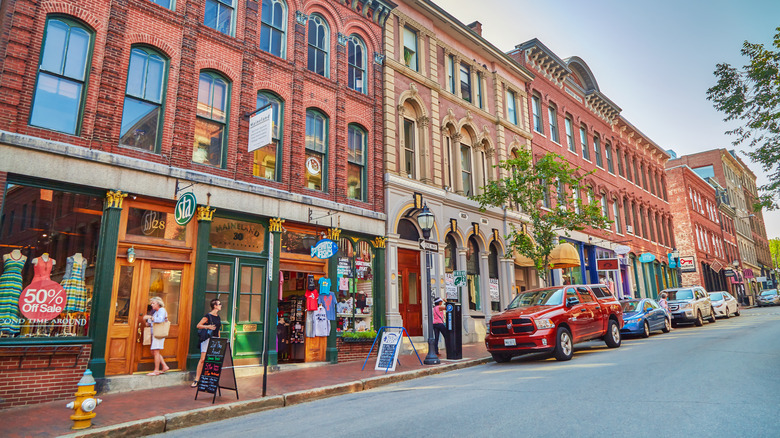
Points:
(768, 297)
(689, 304)
(724, 304)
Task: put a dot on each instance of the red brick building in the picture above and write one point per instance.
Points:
(573, 118)
(698, 229)
(109, 111)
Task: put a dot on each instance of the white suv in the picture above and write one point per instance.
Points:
(689, 304)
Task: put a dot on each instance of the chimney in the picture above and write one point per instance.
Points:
(476, 27)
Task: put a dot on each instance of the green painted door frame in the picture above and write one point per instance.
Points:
(199, 285)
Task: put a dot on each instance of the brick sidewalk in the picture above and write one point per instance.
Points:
(52, 419)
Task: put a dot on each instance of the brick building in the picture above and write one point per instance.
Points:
(573, 118)
(698, 230)
(110, 111)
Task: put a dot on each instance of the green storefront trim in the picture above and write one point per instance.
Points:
(198, 289)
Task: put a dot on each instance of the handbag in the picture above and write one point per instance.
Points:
(147, 336)
(161, 329)
(204, 334)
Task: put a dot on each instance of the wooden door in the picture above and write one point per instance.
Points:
(134, 284)
(409, 291)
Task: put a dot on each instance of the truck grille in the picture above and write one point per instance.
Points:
(519, 325)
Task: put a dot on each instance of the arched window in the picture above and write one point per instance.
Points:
(164, 3)
(273, 25)
(319, 43)
(450, 254)
(58, 102)
(267, 160)
(472, 274)
(219, 15)
(142, 113)
(316, 150)
(407, 230)
(211, 121)
(410, 148)
(356, 61)
(356, 162)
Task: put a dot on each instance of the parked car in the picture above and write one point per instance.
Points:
(554, 319)
(689, 304)
(724, 304)
(642, 316)
(768, 297)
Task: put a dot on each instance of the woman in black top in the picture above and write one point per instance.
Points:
(213, 324)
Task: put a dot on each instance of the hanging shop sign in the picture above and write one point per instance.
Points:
(607, 264)
(42, 300)
(687, 264)
(324, 249)
(646, 258)
(185, 208)
(622, 249)
(729, 273)
(261, 128)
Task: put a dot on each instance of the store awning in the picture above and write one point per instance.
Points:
(748, 273)
(564, 255)
(523, 261)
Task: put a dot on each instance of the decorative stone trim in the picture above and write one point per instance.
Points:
(301, 18)
(114, 199)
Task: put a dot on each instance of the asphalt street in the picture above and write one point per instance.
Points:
(720, 380)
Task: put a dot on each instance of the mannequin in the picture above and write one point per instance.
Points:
(43, 266)
(10, 289)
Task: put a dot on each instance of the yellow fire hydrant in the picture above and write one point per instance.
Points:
(85, 402)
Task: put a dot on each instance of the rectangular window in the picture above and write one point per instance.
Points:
(553, 116)
(567, 124)
(628, 168)
(211, 120)
(143, 110)
(644, 177)
(608, 153)
(465, 163)
(316, 151)
(584, 142)
(219, 15)
(479, 90)
(410, 48)
(409, 149)
(451, 74)
(637, 181)
(465, 82)
(510, 107)
(627, 214)
(536, 107)
(265, 159)
(356, 163)
(619, 158)
(597, 152)
(616, 217)
(575, 197)
(164, 3)
(546, 202)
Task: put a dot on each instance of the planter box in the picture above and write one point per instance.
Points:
(350, 349)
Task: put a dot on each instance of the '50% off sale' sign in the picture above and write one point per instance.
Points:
(42, 300)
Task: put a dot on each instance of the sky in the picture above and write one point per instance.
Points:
(654, 59)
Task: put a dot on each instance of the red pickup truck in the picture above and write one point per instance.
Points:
(554, 319)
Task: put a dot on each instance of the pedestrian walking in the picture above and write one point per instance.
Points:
(438, 323)
(159, 315)
(208, 327)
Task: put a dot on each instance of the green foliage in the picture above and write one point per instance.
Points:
(774, 250)
(751, 96)
(524, 188)
(369, 334)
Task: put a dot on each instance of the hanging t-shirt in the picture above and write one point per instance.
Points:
(311, 300)
(329, 303)
(324, 286)
(321, 323)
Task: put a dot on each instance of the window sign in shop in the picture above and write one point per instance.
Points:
(51, 239)
(154, 223)
(363, 269)
(344, 268)
(449, 286)
(494, 289)
(237, 235)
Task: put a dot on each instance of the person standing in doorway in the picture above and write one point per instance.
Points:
(159, 315)
(212, 324)
(438, 323)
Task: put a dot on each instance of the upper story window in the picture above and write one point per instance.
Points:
(575, 198)
(356, 163)
(316, 150)
(164, 3)
(546, 202)
(536, 107)
(619, 159)
(627, 213)
(644, 176)
(319, 43)
(628, 168)
(597, 151)
(142, 113)
(267, 160)
(616, 215)
(608, 153)
(451, 74)
(637, 180)
(410, 49)
(479, 90)
(58, 102)
(211, 122)
(356, 60)
(511, 111)
(410, 150)
(466, 169)
(663, 188)
(219, 15)
(567, 125)
(584, 142)
(604, 205)
(273, 25)
(465, 82)
(652, 180)
(552, 114)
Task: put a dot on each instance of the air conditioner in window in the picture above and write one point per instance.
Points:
(630, 229)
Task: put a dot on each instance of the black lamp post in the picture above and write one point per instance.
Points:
(425, 221)
(676, 257)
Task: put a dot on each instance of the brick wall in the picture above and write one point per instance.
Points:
(36, 374)
(352, 351)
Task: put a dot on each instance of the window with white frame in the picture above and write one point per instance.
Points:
(466, 169)
(478, 97)
(510, 107)
(273, 27)
(584, 142)
(410, 48)
(410, 150)
(267, 160)
(536, 107)
(552, 114)
(567, 124)
(619, 159)
(319, 45)
(465, 82)
(168, 4)
(608, 153)
(451, 73)
(597, 151)
(616, 216)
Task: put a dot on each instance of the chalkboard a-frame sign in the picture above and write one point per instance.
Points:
(217, 373)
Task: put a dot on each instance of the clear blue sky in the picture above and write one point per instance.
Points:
(654, 59)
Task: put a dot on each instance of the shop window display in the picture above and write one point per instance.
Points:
(354, 278)
(50, 238)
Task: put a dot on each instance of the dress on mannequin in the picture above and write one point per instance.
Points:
(73, 283)
(42, 268)
(10, 289)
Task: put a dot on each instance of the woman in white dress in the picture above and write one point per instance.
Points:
(160, 315)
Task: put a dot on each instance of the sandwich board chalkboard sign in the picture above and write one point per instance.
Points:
(387, 356)
(217, 373)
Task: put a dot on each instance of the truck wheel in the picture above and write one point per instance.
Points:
(501, 358)
(699, 322)
(564, 346)
(612, 338)
(667, 326)
(646, 330)
(712, 315)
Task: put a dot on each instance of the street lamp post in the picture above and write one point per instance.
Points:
(425, 221)
(676, 257)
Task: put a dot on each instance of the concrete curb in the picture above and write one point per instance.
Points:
(209, 414)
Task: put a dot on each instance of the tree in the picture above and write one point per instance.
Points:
(528, 187)
(751, 95)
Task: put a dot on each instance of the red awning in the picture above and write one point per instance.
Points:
(748, 273)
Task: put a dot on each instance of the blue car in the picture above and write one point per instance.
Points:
(644, 315)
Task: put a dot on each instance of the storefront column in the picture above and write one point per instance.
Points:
(379, 282)
(272, 295)
(332, 351)
(204, 216)
(104, 280)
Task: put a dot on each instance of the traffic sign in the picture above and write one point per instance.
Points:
(428, 245)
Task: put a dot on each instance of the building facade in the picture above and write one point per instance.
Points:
(113, 111)
(571, 117)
